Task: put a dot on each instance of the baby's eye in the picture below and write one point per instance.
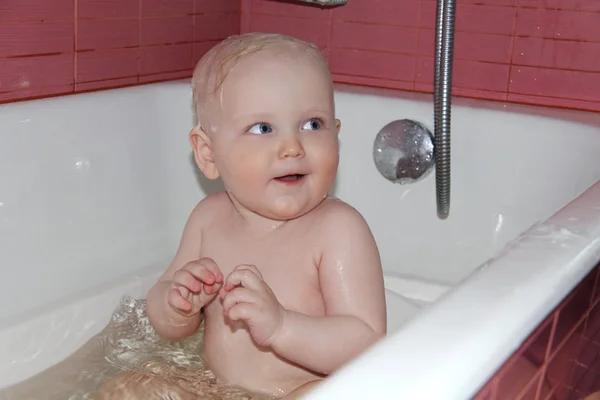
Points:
(314, 124)
(261, 129)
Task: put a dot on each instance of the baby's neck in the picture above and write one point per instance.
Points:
(255, 222)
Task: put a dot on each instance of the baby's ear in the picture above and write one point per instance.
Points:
(203, 153)
(338, 125)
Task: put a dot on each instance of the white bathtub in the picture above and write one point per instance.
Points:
(95, 190)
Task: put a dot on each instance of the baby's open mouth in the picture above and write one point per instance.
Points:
(290, 178)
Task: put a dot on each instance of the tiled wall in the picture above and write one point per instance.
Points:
(561, 359)
(533, 51)
(50, 47)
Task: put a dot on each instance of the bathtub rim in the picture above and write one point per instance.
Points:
(473, 308)
(556, 113)
(562, 114)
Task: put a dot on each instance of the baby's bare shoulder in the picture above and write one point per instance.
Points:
(344, 238)
(338, 218)
(333, 209)
(211, 206)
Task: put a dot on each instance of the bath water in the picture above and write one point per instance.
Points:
(129, 360)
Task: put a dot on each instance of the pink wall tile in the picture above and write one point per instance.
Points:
(215, 26)
(573, 313)
(159, 59)
(106, 64)
(560, 24)
(200, 49)
(36, 10)
(366, 81)
(467, 74)
(551, 53)
(485, 18)
(43, 91)
(475, 93)
(288, 9)
(166, 30)
(491, 36)
(399, 67)
(384, 12)
(397, 39)
(86, 45)
(427, 16)
(27, 77)
(471, 46)
(108, 8)
(245, 16)
(312, 30)
(589, 5)
(490, 2)
(161, 8)
(106, 84)
(561, 367)
(532, 51)
(107, 33)
(478, 18)
(25, 38)
(553, 102)
(576, 85)
(216, 7)
(480, 75)
(27, 72)
(165, 76)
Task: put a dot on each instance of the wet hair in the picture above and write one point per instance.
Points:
(214, 67)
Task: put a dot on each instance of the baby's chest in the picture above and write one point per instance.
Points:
(288, 268)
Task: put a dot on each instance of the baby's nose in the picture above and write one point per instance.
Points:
(291, 146)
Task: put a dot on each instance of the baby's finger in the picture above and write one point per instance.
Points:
(237, 296)
(185, 292)
(177, 301)
(212, 289)
(212, 266)
(243, 277)
(202, 274)
(250, 268)
(187, 280)
(241, 311)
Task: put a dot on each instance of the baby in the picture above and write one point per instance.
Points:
(288, 280)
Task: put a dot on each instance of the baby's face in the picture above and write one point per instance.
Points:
(275, 137)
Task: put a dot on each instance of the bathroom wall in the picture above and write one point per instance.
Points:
(564, 352)
(544, 52)
(51, 47)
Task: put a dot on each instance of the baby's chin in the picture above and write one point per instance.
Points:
(288, 209)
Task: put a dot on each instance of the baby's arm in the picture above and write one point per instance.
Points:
(351, 281)
(169, 321)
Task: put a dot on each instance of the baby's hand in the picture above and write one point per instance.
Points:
(194, 285)
(247, 297)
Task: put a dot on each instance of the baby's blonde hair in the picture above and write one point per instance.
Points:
(213, 68)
